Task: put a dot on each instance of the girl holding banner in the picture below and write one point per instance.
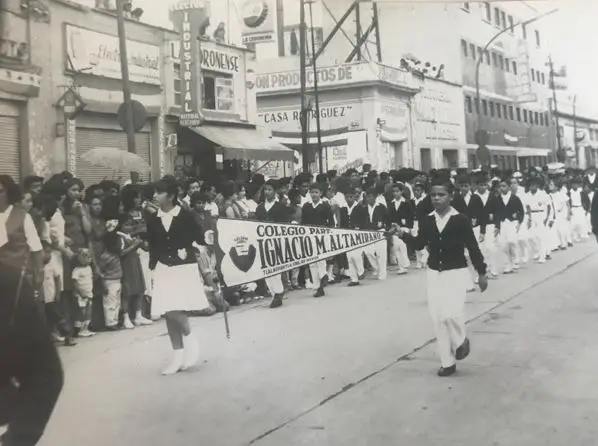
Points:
(178, 287)
(447, 234)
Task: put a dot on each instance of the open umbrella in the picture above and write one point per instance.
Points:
(117, 159)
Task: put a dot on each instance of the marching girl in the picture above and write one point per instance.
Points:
(447, 234)
(576, 206)
(172, 234)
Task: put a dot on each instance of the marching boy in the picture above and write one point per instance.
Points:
(377, 220)
(353, 216)
(402, 214)
(509, 216)
(317, 212)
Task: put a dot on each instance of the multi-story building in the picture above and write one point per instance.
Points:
(578, 130)
(513, 76)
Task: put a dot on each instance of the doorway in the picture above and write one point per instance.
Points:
(450, 159)
(426, 159)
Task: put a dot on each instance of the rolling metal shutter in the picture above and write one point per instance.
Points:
(10, 153)
(91, 138)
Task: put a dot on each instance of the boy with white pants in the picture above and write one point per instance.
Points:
(377, 220)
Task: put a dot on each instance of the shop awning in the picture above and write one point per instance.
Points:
(243, 143)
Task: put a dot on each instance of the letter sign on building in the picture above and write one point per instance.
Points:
(189, 19)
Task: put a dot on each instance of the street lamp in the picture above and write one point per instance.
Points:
(481, 56)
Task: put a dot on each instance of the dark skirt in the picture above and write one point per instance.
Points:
(133, 282)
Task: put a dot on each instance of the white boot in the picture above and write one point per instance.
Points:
(127, 322)
(191, 351)
(177, 363)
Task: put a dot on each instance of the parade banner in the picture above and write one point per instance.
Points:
(253, 250)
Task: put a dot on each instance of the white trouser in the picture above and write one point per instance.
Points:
(377, 255)
(561, 225)
(539, 236)
(421, 256)
(490, 249)
(355, 259)
(399, 250)
(508, 239)
(317, 270)
(578, 224)
(446, 302)
(523, 238)
(274, 284)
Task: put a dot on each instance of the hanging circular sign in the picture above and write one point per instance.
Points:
(139, 116)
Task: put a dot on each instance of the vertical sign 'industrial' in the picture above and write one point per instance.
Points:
(190, 17)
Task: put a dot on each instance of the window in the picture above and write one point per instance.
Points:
(537, 38)
(498, 110)
(468, 105)
(546, 120)
(491, 108)
(524, 31)
(466, 6)
(480, 53)
(514, 67)
(218, 92)
(524, 115)
(472, 49)
(518, 112)
(501, 62)
(511, 24)
(541, 119)
(487, 56)
(494, 59)
(511, 112)
(464, 47)
(497, 16)
(177, 84)
(533, 74)
(507, 64)
(485, 106)
(536, 118)
(543, 78)
(488, 12)
(503, 19)
(504, 111)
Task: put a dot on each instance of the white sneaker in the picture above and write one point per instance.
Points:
(402, 271)
(140, 320)
(176, 365)
(191, 352)
(127, 323)
(85, 333)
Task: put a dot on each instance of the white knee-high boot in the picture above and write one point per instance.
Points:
(177, 363)
(191, 355)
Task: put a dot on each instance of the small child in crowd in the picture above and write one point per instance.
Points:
(112, 273)
(83, 289)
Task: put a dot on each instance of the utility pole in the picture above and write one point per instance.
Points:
(124, 69)
(302, 79)
(357, 28)
(316, 93)
(575, 146)
(555, 106)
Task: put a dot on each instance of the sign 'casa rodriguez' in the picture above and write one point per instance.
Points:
(249, 251)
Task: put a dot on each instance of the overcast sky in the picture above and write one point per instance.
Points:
(571, 33)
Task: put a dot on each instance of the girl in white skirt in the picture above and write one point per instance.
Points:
(447, 234)
(173, 235)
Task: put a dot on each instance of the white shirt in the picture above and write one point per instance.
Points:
(213, 208)
(305, 199)
(467, 198)
(538, 201)
(167, 217)
(420, 199)
(505, 198)
(371, 211)
(35, 245)
(484, 197)
(442, 220)
(339, 200)
(268, 204)
(591, 177)
(381, 200)
(575, 198)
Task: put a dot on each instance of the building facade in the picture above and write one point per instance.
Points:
(579, 135)
(366, 115)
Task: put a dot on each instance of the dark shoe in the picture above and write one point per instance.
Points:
(319, 292)
(69, 342)
(324, 281)
(463, 350)
(570, 245)
(353, 284)
(276, 301)
(362, 277)
(344, 277)
(447, 371)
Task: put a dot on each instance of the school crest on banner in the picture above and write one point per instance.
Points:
(252, 250)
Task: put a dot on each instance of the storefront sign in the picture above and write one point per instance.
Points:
(439, 114)
(275, 117)
(190, 98)
(335, 76)
(250, 251)
(219, 61)
(98, 54)
(259, 21)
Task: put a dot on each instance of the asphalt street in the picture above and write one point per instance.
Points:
(357, 367)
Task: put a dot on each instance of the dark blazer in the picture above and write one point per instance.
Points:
(594, 214)
(585, 201)
(278, 213)
(356, 219)
(321, 215)
(379, 219)
(404, 216)
(593, 186)
(164, 246)
(512, 211)
(423, 208)
(447, 249)
(484, 212)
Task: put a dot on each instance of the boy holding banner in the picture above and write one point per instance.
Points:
(273, 211)
(353, 216)
(376, 220)
(317, 212)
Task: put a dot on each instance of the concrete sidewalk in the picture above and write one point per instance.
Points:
(279, 365)
(531, 381)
